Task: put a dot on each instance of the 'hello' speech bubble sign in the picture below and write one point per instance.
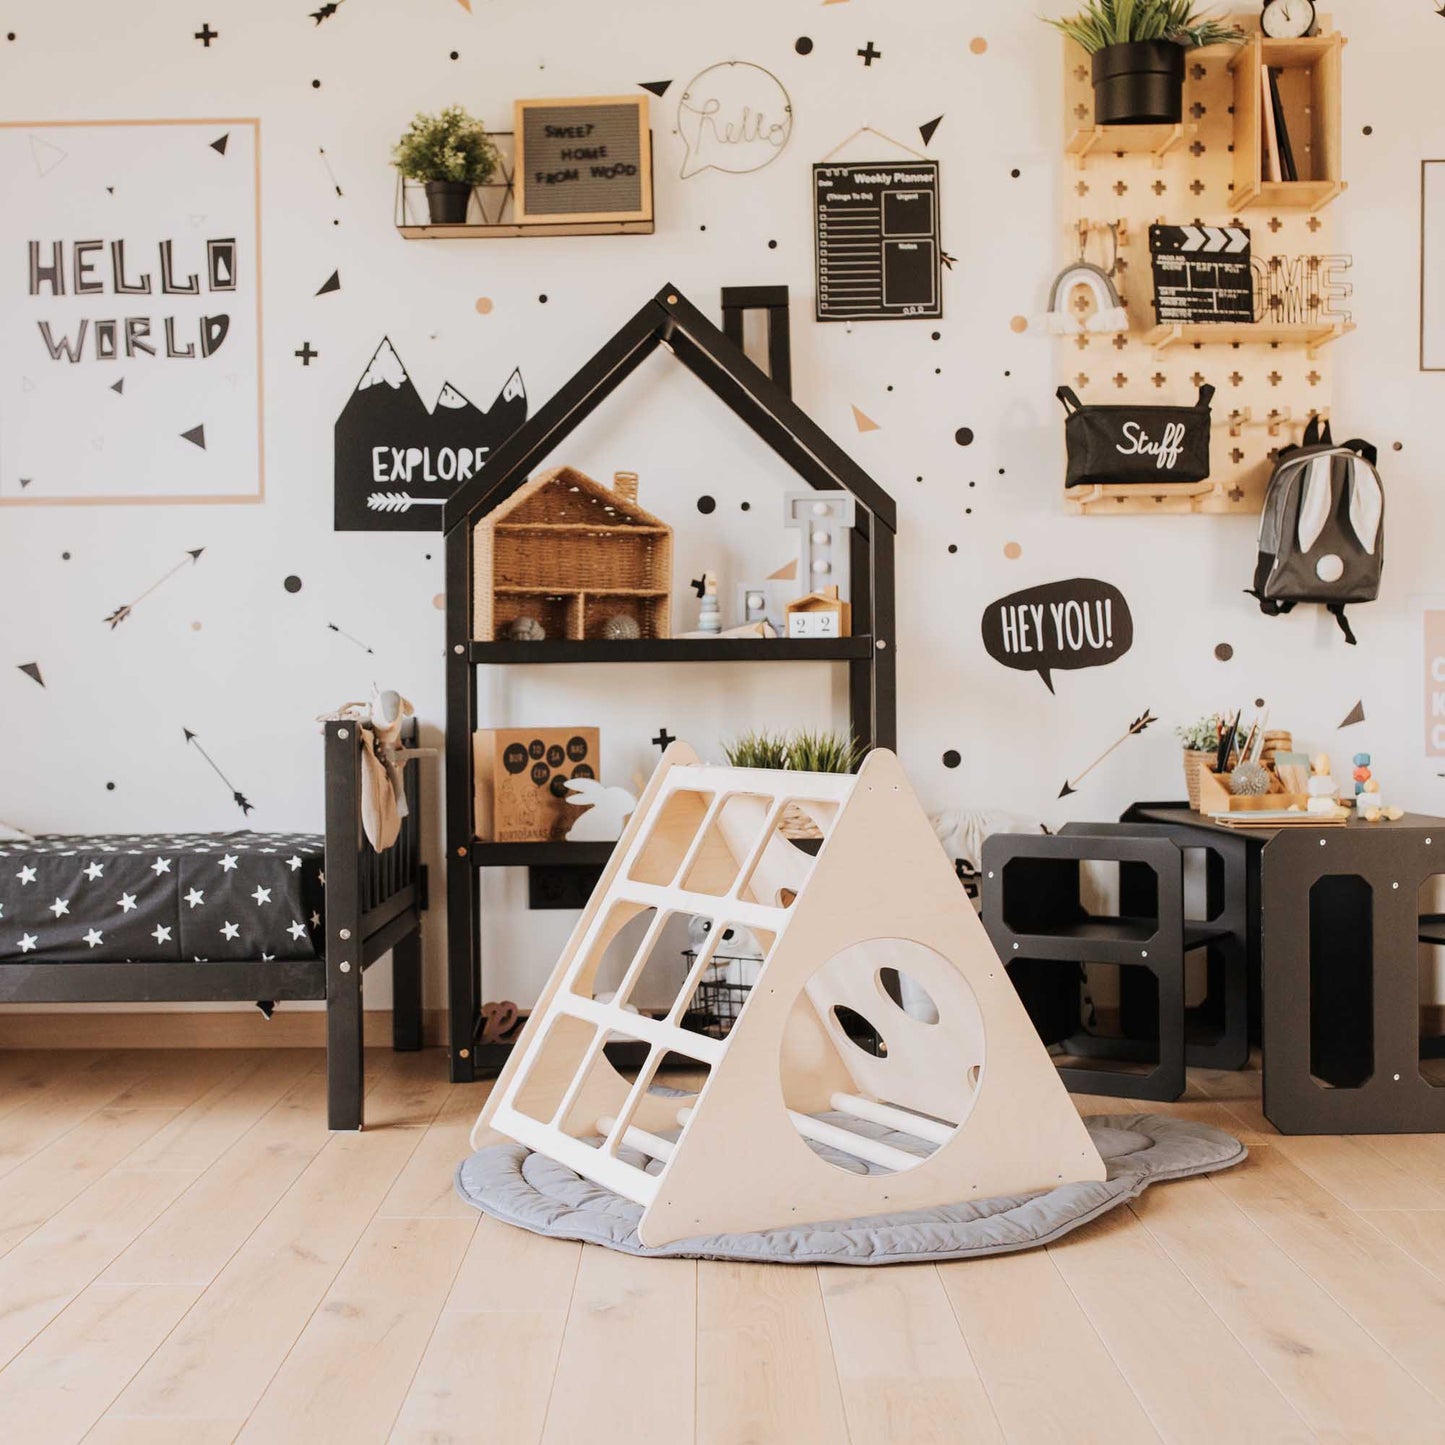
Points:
(734, 116)
(1060, 626)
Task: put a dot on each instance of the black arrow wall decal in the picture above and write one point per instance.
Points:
(238, 796)
(32, 671)
(1135, 728)
(126, 608)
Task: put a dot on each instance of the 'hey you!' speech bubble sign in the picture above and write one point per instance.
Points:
(1060, 626)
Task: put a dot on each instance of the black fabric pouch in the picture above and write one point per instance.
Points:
(1140, 445)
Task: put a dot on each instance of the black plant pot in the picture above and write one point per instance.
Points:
(447, 201)
(1141, 83)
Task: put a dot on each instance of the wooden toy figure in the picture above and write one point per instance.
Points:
(1322, 787)
(709, 618)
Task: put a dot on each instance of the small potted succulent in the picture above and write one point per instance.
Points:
(1138, 55)
(1201, 750)
(450, 152)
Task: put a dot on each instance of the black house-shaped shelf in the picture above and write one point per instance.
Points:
(668, 320)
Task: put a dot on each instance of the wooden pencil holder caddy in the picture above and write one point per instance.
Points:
(1215, 797)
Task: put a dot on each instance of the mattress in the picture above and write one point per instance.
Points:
(162, 897)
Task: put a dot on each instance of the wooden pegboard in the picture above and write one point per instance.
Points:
(1266, 391)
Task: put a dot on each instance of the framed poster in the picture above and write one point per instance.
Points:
(1432, 265)
(876, 247)
(585, 160)
(130, 312)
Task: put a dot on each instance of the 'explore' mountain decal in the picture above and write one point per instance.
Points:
(396, 463)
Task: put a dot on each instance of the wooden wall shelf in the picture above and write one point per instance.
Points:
(1155, 141)
(482, 231)
(1128, 178)
(1259, 333)
(1309, 84)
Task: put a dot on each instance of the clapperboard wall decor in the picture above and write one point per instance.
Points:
(1201, 274)
(584, 160)
(876, 246)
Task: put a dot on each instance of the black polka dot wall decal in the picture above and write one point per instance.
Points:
(1259, 702)
(543, 298)
(803, 45)
(10, 35)
(964, 436)
(772, 245)
(1016, 173)
(110, 787)
(1398, 446)
(315, 85)
(65, 556)
(455, 55)
(1224, 652)
(705, 505)
(952, 758)
(937, 335)
(702, 228)
(1369, 130)
(747, 506)
(292, 583)
(952, 548)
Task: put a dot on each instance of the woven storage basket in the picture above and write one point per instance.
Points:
(572, 553)
(1193, 761)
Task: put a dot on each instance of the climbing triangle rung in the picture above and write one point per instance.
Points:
(641, 1026)
(899, 1120)
(653, 1145)
(843, 1140)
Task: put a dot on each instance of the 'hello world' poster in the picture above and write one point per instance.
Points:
(130, 313)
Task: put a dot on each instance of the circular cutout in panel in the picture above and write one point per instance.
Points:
(882, 1056)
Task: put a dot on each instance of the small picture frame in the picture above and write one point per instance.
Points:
(583, 161)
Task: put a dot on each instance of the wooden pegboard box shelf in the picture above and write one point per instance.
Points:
(1310, 71)
(1258, 333)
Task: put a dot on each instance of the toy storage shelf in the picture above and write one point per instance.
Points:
(481, 231)
(486, 854)
(1259, 333)
(679, 649)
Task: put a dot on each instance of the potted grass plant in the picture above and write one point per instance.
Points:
(1138, 51)
(802, 751)
(450, 153)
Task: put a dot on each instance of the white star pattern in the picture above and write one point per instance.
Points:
(95, 870)
(316, 920)
(93, 938)
(195, 898)
(59, 907)
(228, 863)
(26, 875)
(293, 863)
(161, 933)
(297, 929)
(28, 942)
(321, 877)
(126, 902)
(161, 865)
(268, 957)
(261, 895)
(229, 931)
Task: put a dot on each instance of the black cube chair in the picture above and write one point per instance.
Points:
(1035, 917)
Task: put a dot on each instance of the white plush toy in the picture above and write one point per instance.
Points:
(608, 809)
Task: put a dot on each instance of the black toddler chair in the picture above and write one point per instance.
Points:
(1035, 917)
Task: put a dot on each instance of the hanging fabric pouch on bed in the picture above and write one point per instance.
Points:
(1140, 445)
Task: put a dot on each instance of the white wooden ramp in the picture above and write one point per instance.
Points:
(967, 1077)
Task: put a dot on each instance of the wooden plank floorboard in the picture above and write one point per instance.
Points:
(187, 1255)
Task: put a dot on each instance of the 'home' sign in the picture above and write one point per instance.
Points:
(585, 160)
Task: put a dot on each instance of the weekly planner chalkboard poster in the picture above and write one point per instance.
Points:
(583, 160)
(876, 245)
(130, 313)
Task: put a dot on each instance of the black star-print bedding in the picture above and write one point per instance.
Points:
(163, 897)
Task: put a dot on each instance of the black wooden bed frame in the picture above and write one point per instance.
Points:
(374, 903)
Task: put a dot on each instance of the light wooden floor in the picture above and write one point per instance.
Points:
(187, 1256)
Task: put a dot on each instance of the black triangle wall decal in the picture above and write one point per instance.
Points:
(331, 283)
(657, 87)
(928, 127)
(32, 670)
(219, 144)
(196, 436)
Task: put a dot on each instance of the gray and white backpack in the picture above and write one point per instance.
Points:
(1322, 532)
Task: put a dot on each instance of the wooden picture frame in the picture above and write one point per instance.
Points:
(527, 205)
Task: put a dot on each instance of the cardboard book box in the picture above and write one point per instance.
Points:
(522, 776)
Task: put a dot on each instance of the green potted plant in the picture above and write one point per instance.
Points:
(450, 152)
(1138, 55)
(1201, 750)
(801, 751)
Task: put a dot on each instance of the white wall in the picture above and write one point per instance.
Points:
(227, 652)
